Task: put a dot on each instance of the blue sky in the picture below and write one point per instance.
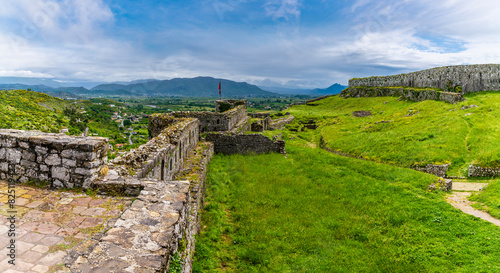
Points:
(289, 43)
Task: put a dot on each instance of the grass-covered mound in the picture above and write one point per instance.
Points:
(318, 212)
(27, 110)
(410, 133)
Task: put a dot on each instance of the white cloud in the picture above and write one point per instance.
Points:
(286, 9)
(24, 73)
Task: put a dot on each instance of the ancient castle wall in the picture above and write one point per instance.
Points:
(61, 160)
(411, 94)
(245, 144)
(161, 158)
(209, 121)
(472, 78)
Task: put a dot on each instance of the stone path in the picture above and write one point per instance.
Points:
(48, 223)
(459, 199)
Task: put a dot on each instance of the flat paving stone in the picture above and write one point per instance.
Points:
(47, 228)
(84, 202)
(93, 212)
(52, 258)
(32, 237)
(34, 204)
(46, 218)
(51, 240)
(40, 268)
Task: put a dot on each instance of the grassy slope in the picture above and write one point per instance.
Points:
(439, 133)
(27, 110)
(318, 212)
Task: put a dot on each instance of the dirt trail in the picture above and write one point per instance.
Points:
(459, 199)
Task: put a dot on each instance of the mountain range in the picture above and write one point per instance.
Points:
(184, 87)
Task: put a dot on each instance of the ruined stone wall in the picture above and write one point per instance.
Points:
(279, 124)
(437, 170)
(209, 121)
(478, 171)
(472, 78)
(245, 144)
(219, 104)
(411, 94)
(61, 160)
(161, 158)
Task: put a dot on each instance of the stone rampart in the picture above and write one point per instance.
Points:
(472, 78)
(411, 94)
(209, 121)
(161, 158)
(245, 144)
(61, 160)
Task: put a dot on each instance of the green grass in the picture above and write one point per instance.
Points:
(488, 199)
(318, 212)
(27, 110)
(411, 133)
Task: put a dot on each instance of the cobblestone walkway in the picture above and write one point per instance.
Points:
(48, 223)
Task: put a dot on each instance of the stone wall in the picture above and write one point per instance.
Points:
(472, 78)
(411, 94)
(477, 171)
(161, 222)
(437, 170)
(259, 115)
(231, 104)
(279, 124)
(61, 160)
(209, 121)
(161, 158)
(245, 144)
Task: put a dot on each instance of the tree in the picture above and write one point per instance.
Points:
(127, 122)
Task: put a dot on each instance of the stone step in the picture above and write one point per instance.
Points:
(463, 186)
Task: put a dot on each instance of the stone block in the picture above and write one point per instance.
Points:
(29, 156)
(29, 164)
(53, 159)
(41, 150)
(44, 168)
(68, 162)
(24, 145)
(3, 153)
(13, 156)
(60, 173)
(4, 167)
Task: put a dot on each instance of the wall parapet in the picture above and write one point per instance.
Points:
(162, 156)
(59, 159)
(407, 93)
(472, 78)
